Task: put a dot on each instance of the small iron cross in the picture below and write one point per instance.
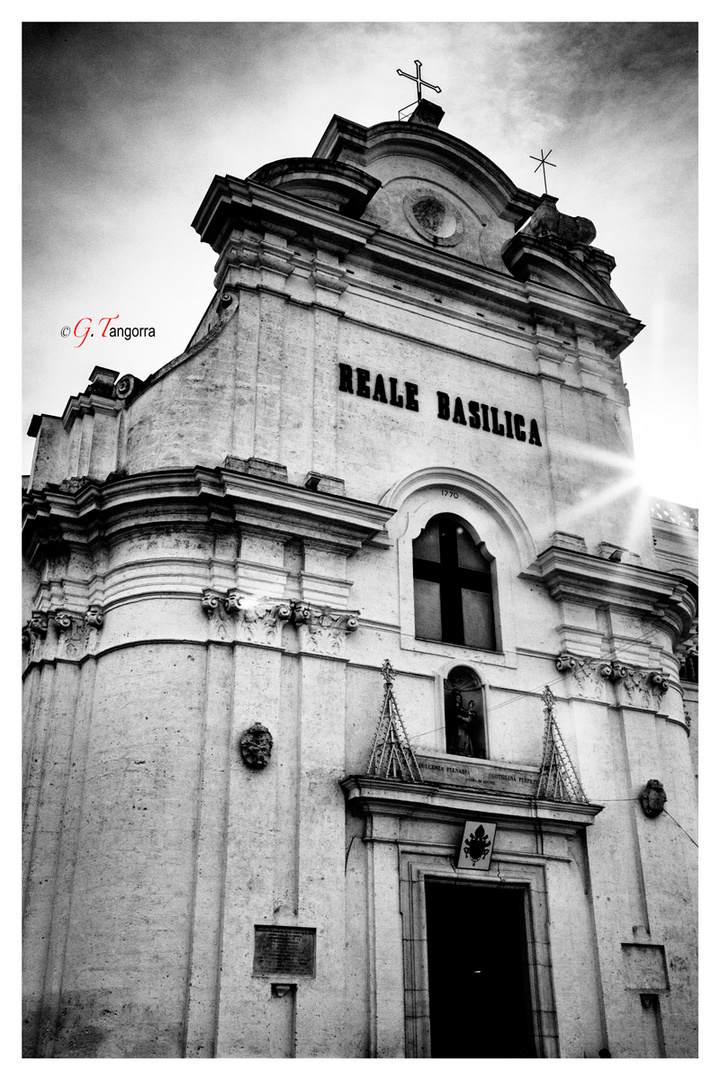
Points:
(543, 159)
(547, 694)
(388, 673)
(418, 81)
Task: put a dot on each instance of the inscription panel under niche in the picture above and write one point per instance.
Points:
(284, 950)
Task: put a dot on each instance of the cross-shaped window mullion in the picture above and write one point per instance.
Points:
(452, 579)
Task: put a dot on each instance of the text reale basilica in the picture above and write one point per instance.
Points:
(471, 414)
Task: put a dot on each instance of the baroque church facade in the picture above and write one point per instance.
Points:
(360, 693)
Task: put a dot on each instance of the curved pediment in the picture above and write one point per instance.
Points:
(409, 180)
(370, 147)
(333, 184)
(435, 189)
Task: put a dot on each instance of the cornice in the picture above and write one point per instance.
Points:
(85, 509)
(373, 795)
(83, 404)
(580, 578)
(231, 204)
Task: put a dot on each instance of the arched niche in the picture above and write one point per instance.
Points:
(464, 711)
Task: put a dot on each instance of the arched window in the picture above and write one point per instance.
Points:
(453, 586)
(464, 720)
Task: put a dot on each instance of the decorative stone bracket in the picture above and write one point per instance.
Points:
(258, 621)
(72, 628)
(321, 630)
(591, 675)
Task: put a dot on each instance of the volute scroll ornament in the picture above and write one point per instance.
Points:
(324, 630)
(38, 624)
(63, 620)
(282, 612)
(125, 387)
(300, 613)
(658, 682)
(636, 683)
(210, 602)
(94, 616)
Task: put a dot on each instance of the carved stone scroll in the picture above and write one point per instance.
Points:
(323, 630)
(638, 685)
(213, 605)
(94, 616)
(38, 624)
(253, 621)
(73, 633)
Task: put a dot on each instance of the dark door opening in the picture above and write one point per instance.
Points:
(480, 1004)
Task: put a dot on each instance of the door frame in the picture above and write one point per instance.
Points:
(415, 869)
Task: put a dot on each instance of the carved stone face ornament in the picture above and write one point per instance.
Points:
(256, 746)
(653, 798)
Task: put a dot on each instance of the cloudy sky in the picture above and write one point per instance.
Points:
(125, 125)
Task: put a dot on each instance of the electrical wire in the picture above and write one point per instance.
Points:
(537, 689)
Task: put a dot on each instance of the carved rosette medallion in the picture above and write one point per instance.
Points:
(636, 685)
(434, 217)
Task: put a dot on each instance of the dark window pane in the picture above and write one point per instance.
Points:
(427, 610)
(453, 586)
(427, 545)
(478, 619)
(469, 557)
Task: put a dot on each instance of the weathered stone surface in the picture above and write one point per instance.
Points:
(227, 546)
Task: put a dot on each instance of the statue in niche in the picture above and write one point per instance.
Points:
(256, 746)
(462, 743)
(464, 725)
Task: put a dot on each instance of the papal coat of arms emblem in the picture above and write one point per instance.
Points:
(477, 845)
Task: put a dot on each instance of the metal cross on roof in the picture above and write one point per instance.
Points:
(418, 81)
(543, 159)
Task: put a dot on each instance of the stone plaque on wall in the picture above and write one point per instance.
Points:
(284, 950)
(645, 967)
(468, 772)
